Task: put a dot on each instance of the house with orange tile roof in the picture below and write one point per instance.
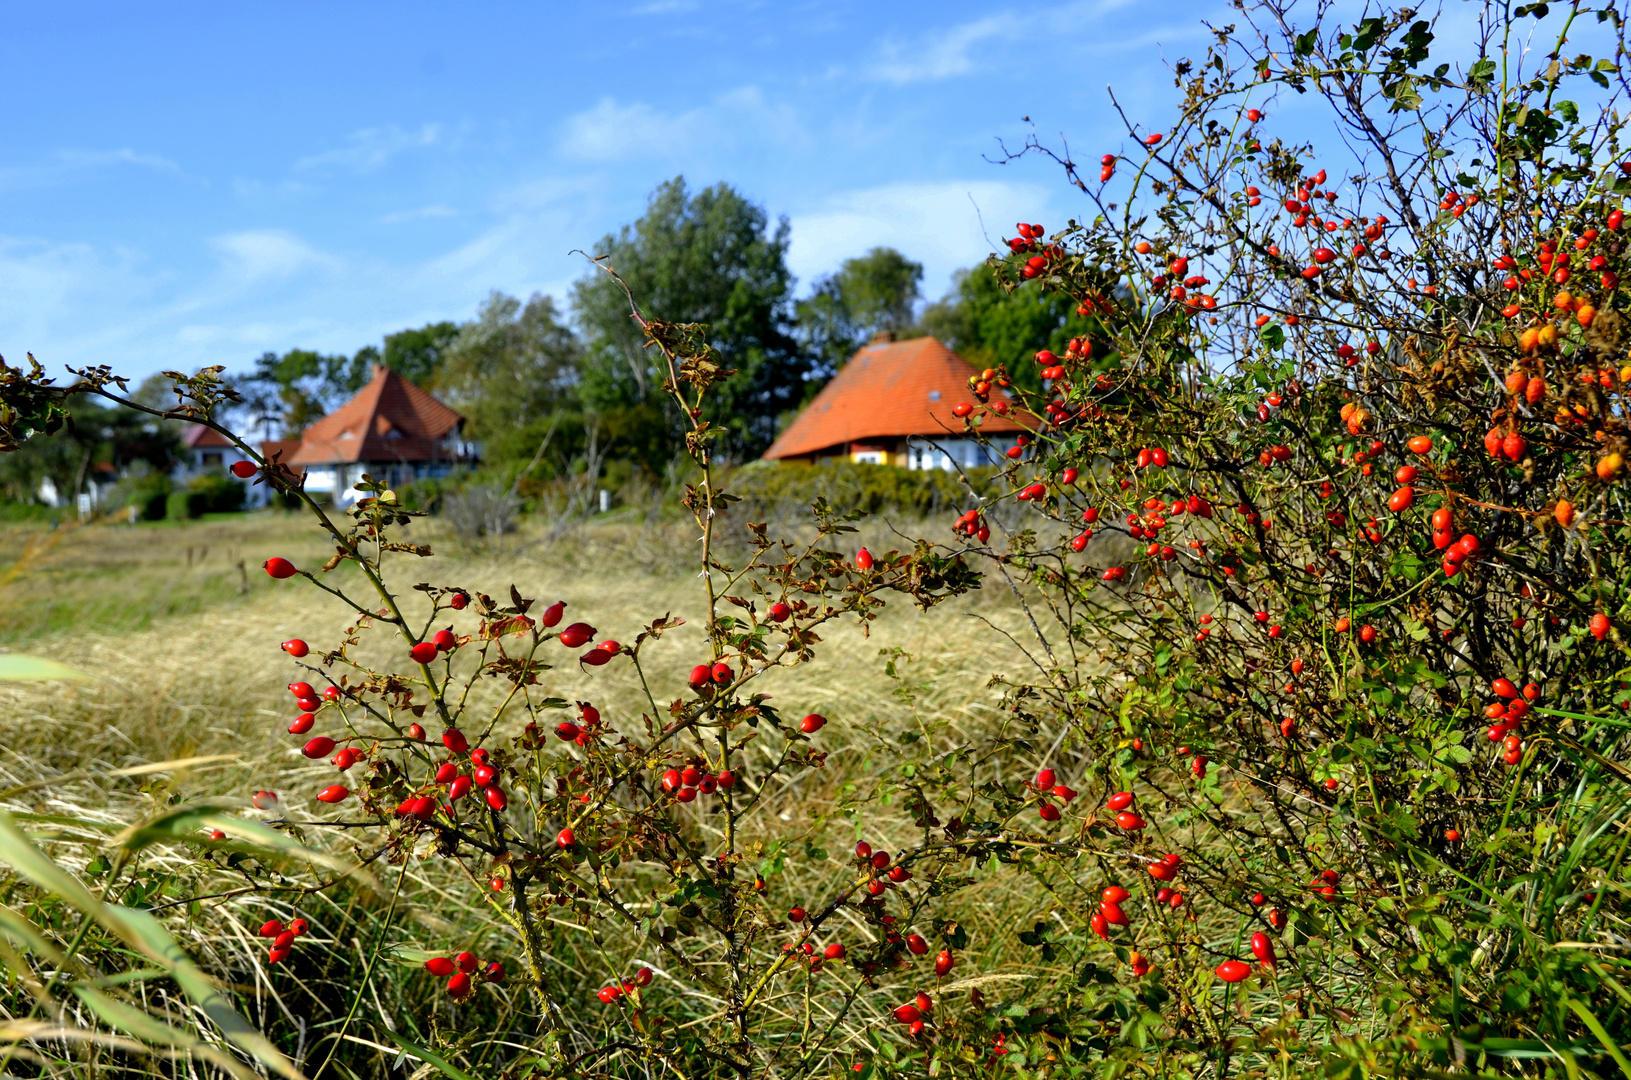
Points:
(891, 405)
(391, 429)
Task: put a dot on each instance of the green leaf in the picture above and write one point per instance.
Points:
(188, 820)
(15, 667)
(447, 1068)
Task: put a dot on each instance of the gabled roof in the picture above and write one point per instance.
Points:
(889, 389)
(200, 437)
(389, 420)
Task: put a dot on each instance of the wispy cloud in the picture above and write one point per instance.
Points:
(263, 255)
(371, 148)
(436, 210)
(63, 164)
(666, 7)
(998, 39)
(610, 131)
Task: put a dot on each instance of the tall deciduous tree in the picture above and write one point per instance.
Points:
(509, 371)
(710, 257)
(417, 355)
(870, 293)
(302, 385)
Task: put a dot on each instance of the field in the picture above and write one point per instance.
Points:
(178, 631)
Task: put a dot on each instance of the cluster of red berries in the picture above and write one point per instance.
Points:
(1121, 804)
(704, 677)
(915, 1014)
(685, 784)
(806, 951)
(972, 523)
(460, 968)
(585, 731)
(283, 937)
(438, 644)
(625, 987)
(483, 775)
(1046, 783)
(1508, 712)
(880, 875)
(1029, 239)
(308, 702)
(1233, 971)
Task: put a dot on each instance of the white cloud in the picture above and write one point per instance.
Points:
(666, 7)
(63, 164)
(979, 45)
(372, 148)
(436, 210)
(937, 223)
(260, 255)
(610, 131)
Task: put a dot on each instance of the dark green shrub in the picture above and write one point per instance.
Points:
(425, 494)
(847, 486)
(184, 505)
(149, 495)
(152, 506)
(221, 494)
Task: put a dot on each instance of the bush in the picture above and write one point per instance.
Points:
(149, 493)
(220, 494)
(847, 487)
(186, 505)
(426, 494)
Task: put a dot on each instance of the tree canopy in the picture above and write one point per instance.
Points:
(710, 257)
(874, 292)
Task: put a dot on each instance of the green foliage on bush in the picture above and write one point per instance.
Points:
(206, 493)
(847, 486)
(150, 496)
(425, 494)
(182, 505)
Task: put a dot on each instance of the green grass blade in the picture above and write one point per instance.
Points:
(448, 1068)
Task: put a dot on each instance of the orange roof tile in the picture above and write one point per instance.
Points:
(888, 390)
(390, 419)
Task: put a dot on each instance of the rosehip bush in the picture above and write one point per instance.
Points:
(554, 813)
(1327, 554)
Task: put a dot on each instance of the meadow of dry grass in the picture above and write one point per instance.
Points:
(181, 649)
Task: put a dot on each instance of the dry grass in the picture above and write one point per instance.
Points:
(184, 663)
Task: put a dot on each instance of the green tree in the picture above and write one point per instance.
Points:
(870, 293)
(512, 372)
(988, 324)
(417, 355)
(301, 386)
(710, 257)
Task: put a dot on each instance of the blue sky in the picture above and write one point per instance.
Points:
(184, 184)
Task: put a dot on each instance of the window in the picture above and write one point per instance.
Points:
(211, 458)
(870, 457)
(934, 395)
